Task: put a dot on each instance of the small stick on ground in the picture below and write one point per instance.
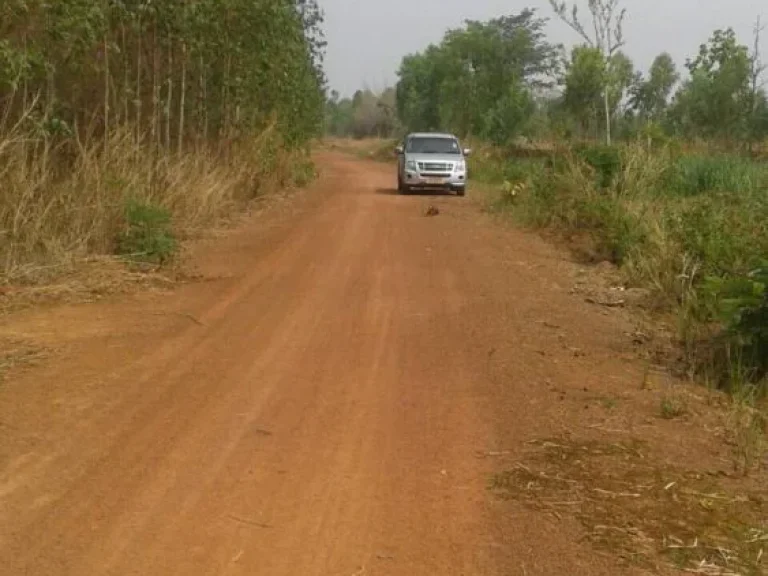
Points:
(240, 520)
(184, 315)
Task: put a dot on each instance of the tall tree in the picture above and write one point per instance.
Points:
(650, 97)
(620, 72)
(472, 78)
(715, 101)
(585, 81)
(366, 114)
(207, 68)
(607, 38)
(756, 95)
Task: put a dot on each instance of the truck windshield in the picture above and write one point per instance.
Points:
(427, 145)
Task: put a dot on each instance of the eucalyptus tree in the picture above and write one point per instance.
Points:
(175, 70)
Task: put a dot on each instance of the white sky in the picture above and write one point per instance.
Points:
(368, 38)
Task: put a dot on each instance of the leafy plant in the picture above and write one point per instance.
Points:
(148, 235)
(606, 160)
(742, 304)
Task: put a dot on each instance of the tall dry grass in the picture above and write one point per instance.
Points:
(63, 199)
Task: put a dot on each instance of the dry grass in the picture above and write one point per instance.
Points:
(746, 428)
(86, 280)
(380, 149)
(61, 203)
(646, 514)
(673, 404)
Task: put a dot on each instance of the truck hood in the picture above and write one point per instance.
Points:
(434, 157)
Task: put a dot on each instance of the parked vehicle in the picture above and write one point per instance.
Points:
(431, 160)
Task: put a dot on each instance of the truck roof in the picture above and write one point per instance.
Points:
(431, 135)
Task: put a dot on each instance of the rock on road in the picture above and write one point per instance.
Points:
(316, 408)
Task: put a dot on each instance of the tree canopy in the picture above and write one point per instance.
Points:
(504, 78)
(176, 70)
(481, 79)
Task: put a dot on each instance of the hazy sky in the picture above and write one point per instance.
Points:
(368, 38)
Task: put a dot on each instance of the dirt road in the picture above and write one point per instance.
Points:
(326, 402)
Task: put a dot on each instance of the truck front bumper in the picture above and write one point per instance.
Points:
(455, 181)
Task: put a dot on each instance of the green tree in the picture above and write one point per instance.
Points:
(365, 114)
(182, 71)
(650, 97)
(608, 38)
(758, 128)
(418, 89)
(511, 114)
(473, 78)
(620, 73)
(584, 87)
(715, 101)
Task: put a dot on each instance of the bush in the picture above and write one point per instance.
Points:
(670, 221)
(605, 160)
(148, 235)
(742, 305)
(303, 171)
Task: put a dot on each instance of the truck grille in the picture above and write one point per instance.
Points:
(435, 167)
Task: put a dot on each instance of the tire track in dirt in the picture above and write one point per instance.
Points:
(325, 416)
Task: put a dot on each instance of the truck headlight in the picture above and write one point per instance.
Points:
(411, 165)
(460, 167)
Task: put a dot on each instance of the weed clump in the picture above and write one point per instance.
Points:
(148, 236)
(672, 407)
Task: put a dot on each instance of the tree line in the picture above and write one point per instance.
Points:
(503, 78)
(179, 72)
(365, 114)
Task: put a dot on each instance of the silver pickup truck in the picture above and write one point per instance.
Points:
(431, 160)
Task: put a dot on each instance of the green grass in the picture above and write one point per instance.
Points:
(147, 235)
(693, 228)
(697, 174)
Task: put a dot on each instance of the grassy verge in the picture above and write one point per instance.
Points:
(649, 515)
(63, 201)
(691, 228)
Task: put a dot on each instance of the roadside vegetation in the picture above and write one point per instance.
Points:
(127, 126)
(664, 172)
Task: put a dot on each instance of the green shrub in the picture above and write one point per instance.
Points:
(605, 160)
(303, 171)
(147, 235)
(742, 305)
